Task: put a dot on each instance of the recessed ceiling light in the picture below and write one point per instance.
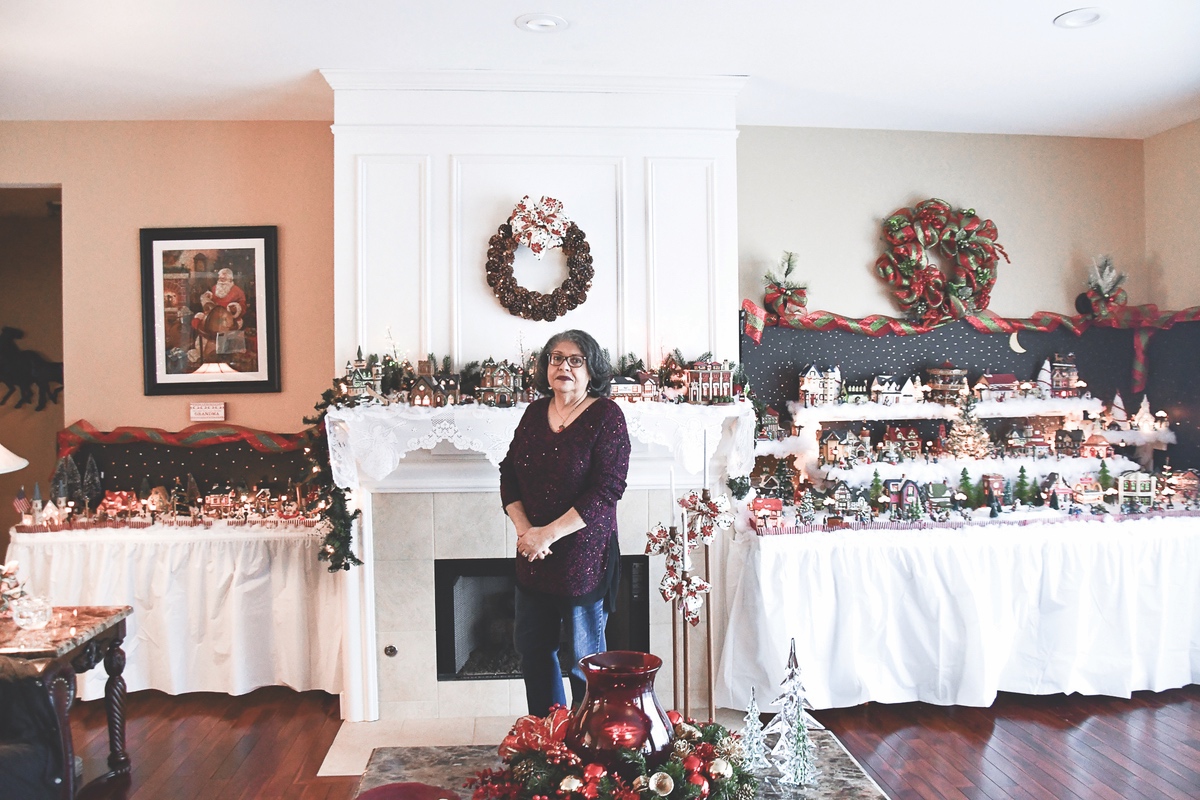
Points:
(1079, 18)
(541, 23)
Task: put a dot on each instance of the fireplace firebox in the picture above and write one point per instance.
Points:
(473, 606)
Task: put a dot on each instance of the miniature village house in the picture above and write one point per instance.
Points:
(362, 380)
(947, 384)
(1056, 491)
(625, 388)
(426, 391)
(856, 392)
(901, 493)
(998, 388)
(500, 384)
(905, 438)
(1096, 446)
(710, 381)
(1087, 491)
(820, 387)
(1064, 376)
(847, 447)
(1136, 487)
(771, 430)
(885, 390)
(766, 513)
(993, 486)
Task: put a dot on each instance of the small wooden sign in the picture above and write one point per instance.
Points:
(207, 412)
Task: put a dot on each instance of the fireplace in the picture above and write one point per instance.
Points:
(473, 606)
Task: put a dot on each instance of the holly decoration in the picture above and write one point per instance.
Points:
(783, 295)
(539, 226)
(930, 296)
(705, 763)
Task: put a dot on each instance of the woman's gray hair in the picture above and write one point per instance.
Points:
(599, 368)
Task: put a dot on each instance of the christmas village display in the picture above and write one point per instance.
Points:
(855, 453)
(81, 502)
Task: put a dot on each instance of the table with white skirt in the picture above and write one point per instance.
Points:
(220, 609)
(953, 616)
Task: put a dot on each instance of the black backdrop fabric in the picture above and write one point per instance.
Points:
(1104, 357)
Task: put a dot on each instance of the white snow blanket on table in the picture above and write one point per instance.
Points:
(951, 617)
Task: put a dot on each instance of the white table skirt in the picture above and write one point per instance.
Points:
(227, 609)
(953, 616)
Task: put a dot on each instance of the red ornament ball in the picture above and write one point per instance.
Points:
(700, 781)
(675, 717)
(594, 772)
(692, 763)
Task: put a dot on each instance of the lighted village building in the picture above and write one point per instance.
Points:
(710, 381)
(820, 387)
(1064, 376)
(947, 384)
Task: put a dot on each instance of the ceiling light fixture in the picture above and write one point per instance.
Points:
(1079, 18)
(539, 22)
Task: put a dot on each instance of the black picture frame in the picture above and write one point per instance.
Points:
(210, 310)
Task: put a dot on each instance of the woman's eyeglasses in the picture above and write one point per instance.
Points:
(575, 362)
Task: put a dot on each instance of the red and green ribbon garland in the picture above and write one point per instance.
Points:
(1144, 320)
(70, 439)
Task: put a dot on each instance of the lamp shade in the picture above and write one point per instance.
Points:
(10, 461)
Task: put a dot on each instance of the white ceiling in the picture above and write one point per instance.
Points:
(983, 66)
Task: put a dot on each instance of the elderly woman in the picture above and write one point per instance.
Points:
(560, 483)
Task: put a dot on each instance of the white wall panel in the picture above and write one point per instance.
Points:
(485, 190)
(681, 258)
(394, 238)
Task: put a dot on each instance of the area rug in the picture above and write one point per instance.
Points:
(450, 767)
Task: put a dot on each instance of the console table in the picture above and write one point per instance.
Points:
(951, 617)
(221, 609)
(77, 639)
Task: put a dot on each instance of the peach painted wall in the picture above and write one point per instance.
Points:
(118, 177)
(1172, 206)
(30, 299)
(823, 193)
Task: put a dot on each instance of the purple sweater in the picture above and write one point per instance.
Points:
(583, 467)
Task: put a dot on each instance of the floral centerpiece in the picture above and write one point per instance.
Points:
(705, 761)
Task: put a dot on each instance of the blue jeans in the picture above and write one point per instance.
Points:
(539, 620)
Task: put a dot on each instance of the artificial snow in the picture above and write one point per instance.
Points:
(950, 469)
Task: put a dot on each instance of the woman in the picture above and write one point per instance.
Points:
(560, 483)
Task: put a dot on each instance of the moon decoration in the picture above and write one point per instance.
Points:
(1014, 343)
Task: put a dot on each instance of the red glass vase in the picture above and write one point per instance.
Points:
(620, 710)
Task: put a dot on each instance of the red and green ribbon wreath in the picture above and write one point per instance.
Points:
(929, 296)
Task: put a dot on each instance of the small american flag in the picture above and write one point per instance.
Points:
(21, 504)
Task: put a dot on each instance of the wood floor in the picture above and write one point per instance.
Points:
(1067, 748)
(271, 742)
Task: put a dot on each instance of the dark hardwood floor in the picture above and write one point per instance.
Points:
(271, 742)
(1053, 746)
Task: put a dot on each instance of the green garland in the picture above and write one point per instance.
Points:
(337, 520)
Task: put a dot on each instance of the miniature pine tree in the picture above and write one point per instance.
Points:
(793, 753)
(753, 744)
(192, 495)
(1008, 492)
(144, 491)
(93, 491)
(74, 485)
(58, 483)
(1021, 490)
(964, 488)
(912, 512)
(805, 512)
(979, 498)
(877, 487)
(968, 438)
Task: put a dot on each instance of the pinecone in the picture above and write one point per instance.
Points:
(681, 748)
(523, 770)
(731, 748)
(744, 792)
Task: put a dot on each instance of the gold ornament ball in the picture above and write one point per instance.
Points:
(720, 769)
(681, 748)
(689, 732)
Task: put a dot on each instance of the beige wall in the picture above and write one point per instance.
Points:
(30, 299)
(1172, 212)
(118, 177)
(823, 193)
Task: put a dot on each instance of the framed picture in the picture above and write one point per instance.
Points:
(210, 310)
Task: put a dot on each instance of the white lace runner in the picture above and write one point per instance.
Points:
(372, 439)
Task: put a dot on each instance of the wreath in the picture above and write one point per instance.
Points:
(539, 226)
(929, 295)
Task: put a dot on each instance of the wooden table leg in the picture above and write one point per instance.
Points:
(114, 705)
(59, 683)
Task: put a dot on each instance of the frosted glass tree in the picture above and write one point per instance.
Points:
(753, 743)
(1044, 380)
(794, 753)
(968, 438)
